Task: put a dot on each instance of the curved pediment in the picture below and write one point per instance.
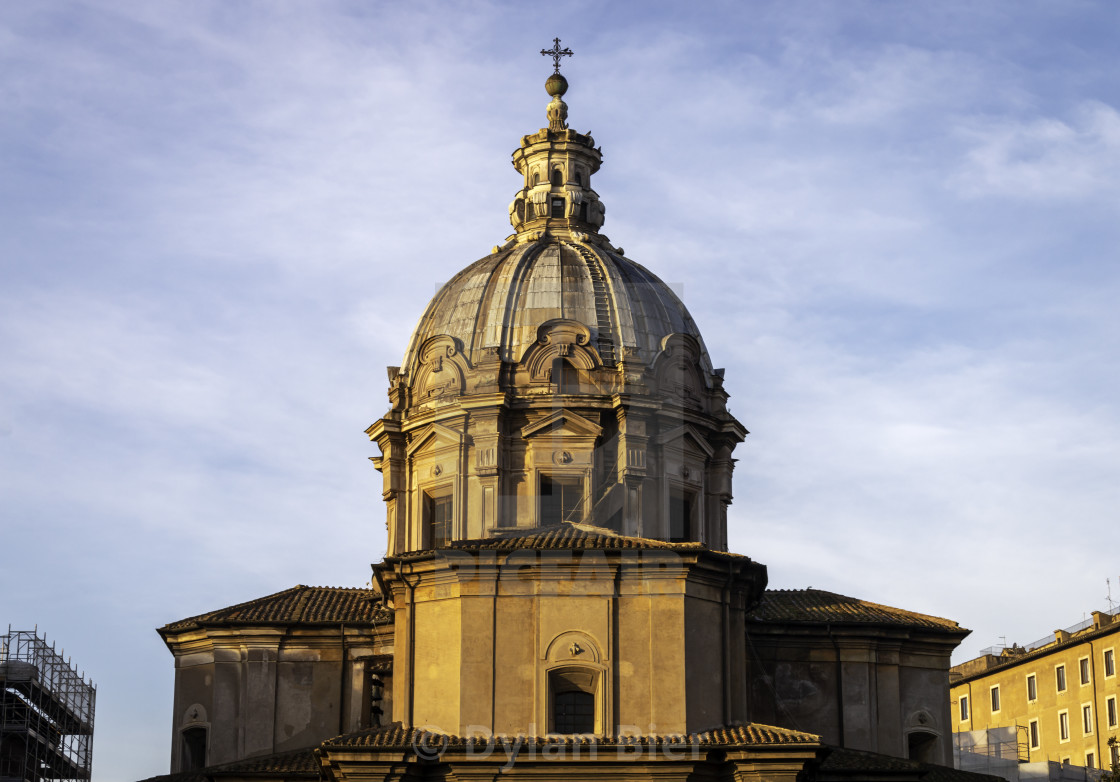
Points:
(560, 338)
(441, 370)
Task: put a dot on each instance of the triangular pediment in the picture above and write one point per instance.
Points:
(434, 435)
(687, 436)
(562, 422)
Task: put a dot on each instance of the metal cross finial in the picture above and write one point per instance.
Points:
(556, 53)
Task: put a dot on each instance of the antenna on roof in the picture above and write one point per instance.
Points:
(1108, 584)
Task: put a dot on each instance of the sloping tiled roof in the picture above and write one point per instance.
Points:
(568, 535)
(396, 736)
(820, 607)
(841, 762)
(295, 764)
(303, 604)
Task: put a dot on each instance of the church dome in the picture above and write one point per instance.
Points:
(555, 381)
(500, 301)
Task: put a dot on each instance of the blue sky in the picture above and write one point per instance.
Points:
(895, 224)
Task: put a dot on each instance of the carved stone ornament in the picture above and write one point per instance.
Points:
(685, 472)
(575, 650)
(562, 457)
(437, 470)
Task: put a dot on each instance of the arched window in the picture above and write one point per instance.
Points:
(573, 694)
(557, 177)
(565, 377)
(193, 754)
(579, 178)
(922, 746)
(536, 178)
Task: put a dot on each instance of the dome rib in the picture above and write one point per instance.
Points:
(500, 300)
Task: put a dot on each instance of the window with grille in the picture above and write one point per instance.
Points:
(573, 712)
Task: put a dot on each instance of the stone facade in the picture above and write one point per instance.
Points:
(557, 597)
(279, 673)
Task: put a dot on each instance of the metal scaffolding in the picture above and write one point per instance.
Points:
(46, 712)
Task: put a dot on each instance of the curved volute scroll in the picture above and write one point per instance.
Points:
(441, 371)
(560, 340)
(677, 372)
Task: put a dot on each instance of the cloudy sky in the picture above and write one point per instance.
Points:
(897, 225)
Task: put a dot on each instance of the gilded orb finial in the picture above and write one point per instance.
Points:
(556, 86)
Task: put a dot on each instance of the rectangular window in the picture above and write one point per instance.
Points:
(1063, 725)
(680, 515)
(1086, 718)
(1114, 753)
(1034, 734)
(1060, 678)
(995, 698)
(1110, 711)
(557, 207)
(1083, 670)
(1032, 688)
(1109, 664)
(438, 511)
(1090, 760)
(561, 499)
(964, 708)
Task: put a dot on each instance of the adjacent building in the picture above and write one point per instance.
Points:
(46, 712)
(1058, 696)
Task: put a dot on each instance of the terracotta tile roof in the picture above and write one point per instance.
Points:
(396, 736)
(293, 765)
(843, 763)
(569, 535)
(820, 607)
(303, 604)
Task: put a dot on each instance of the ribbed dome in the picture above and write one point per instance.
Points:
(502, 299)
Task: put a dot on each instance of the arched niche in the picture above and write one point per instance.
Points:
(923, 740)
(575, 686)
